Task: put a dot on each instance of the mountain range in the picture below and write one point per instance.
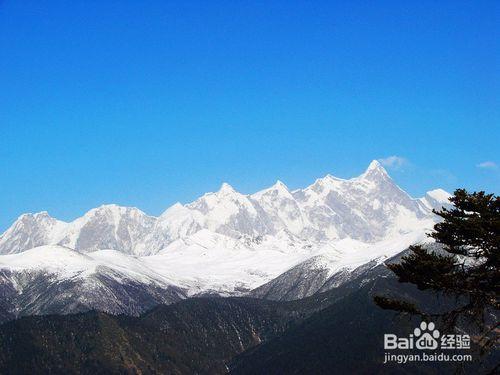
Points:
(278, 281)
(277, 244)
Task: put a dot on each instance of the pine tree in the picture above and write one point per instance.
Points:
(468, 268)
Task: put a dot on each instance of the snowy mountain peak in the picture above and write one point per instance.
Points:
(324, 183)
(374, 164)
(226, 189)
(113, 213)
(277, 191)
(176, 207)
(37, 216)
(107, 208)
(436, 199)
(28, 231)
(41, 214)
(375, 171)
(102, 209)
(107, 227)
(439, 195)
(279, 187)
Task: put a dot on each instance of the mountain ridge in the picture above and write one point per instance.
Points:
(323, 210)
(223, 243)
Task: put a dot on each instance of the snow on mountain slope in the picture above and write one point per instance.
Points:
(327, 269)
(64, 263)
(55, 279)
(436, 199)
(208, 262)
(227, 241)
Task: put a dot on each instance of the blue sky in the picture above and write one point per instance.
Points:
(146, 103)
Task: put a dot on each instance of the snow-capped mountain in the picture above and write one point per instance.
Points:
(224, 242)
(58, 280)
(107, 227)
(436, 199)
(368, 208)
(29, 231)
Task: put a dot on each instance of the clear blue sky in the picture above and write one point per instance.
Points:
(146, 103)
